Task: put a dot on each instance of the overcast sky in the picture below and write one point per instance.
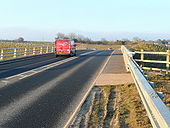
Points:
(111, 19)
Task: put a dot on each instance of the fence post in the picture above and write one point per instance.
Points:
(41, 50)
(15, 52)
(2, 54)
(33, 51)
(52, 49)
(47, 50)
(25, 52)
(167, 60)
(142, 57)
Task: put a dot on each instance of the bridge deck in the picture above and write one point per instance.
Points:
(115, 72)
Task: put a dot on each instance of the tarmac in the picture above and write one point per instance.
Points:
(115, 72)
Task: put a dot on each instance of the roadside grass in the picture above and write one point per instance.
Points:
(162, 81)
(162, 84)
(112, 106)
(131, 111)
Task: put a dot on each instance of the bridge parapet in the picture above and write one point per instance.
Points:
(157, 111)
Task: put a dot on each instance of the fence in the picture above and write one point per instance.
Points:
(166, 62)
(10, 53)
(157, 111)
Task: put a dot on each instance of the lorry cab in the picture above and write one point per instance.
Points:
(65, 47)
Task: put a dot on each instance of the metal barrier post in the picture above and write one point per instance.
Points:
(15, 52)
(52, 49)
(33, 51)
(41, 50)
(47, 49)
(167, 60)
(25, 52)
(142, 57)
(2, 54)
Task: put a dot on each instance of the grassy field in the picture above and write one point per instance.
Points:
(9, 52)
(4, 45)
(17, 45)
(147, 47)
(152, 48)
(98, 47)
(38, 44)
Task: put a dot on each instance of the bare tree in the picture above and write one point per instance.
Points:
(20, 39)
(125, 39)
(60, 35)
(80, 37)
(87, 39)
(71, 36)
(103, 39)
(136, 39)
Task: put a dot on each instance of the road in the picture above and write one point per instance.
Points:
(48, 98)
(13, 67)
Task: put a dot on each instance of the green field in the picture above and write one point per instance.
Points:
(17, 45)
(98, 47)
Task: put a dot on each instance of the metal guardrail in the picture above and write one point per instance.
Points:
(167, 62)
(10, 53)
(157, 111)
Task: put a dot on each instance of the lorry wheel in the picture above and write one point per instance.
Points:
(56, 55)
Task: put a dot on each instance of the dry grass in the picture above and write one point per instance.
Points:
(9, 52)
(18, 45)
(131, 111)
(162, 84)
(147, 47)
(98, 47)
(112, 106)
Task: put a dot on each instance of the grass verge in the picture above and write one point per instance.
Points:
(112, 106)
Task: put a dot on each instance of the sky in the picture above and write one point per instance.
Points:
(110, 19)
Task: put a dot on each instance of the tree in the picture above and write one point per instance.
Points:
(80, 37)
(103, 39)
(164, 42)
(136, 39)
(158, 40)
(20, 39)
(125, 39)
(60, 35)
(71, 36)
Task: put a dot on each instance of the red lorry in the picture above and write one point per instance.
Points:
(65, 47)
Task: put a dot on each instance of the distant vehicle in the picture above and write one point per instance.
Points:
(109, 49)
(65, 47)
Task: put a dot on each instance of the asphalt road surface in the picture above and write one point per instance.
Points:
(47, 99)
(13, 67)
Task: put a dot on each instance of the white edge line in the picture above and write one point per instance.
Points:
(87, 93)
(46, 67)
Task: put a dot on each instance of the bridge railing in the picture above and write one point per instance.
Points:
(9, 53)
(157, 111)
(167, 61)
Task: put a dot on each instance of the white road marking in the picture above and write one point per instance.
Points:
(39, 69)
(10, 111)
(87, 93)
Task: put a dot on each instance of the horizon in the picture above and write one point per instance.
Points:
(110, 19)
